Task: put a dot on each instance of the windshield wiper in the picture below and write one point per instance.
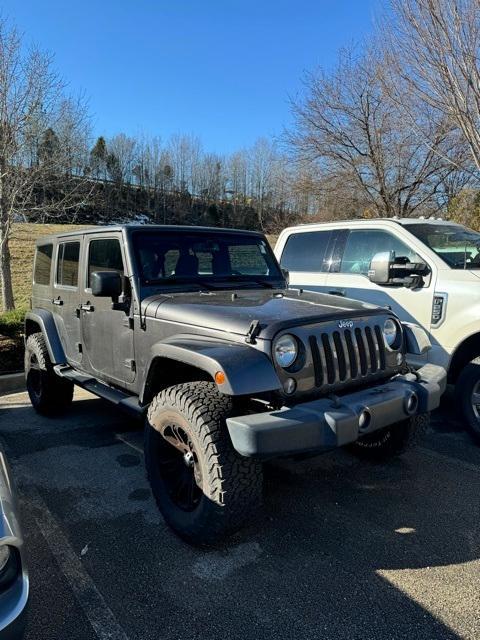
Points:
(212, 285)
(181, 281)
(245, 279)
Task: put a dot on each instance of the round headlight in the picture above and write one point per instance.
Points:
(391, 333)
(285, 351)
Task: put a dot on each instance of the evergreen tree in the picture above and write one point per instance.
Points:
(98, 158)
(48, 147)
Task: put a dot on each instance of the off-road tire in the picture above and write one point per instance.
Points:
(49, 394)
(231, 485)
(464, 387)
(392, 441)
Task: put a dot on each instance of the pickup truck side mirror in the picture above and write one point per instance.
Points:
(386, 269)
(286, 275)
(106, 284)
(379, 271)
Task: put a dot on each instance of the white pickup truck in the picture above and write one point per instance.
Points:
(426, 270)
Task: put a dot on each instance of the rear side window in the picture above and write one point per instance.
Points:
(306, 251)
(43, 263)
(104, 255)
(67, 264)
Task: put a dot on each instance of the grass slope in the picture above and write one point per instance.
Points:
(22, 247)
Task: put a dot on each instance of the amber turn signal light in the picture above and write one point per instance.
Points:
(220, 377)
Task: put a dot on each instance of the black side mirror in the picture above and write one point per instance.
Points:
(106, 284)
(386, 269)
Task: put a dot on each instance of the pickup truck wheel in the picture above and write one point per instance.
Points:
(392, 441)
(202, 486)
(49, 394)
(467, 392)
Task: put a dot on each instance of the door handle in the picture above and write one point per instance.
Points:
(57, 301)
(337, 292)
(86, 307)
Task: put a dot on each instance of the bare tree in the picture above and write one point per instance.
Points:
(434, 49)
(123, 148)
(31, 101)
(354, 135)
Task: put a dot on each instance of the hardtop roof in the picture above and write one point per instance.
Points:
(143, 227)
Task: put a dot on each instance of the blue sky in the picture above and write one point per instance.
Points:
(220, 69)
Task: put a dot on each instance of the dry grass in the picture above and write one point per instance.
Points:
(22, 247)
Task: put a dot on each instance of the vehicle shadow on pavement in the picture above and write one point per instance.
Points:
(342, 548)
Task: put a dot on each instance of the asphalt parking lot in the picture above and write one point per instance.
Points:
(344, 549)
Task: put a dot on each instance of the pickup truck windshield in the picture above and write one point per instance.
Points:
(458, 246)
(208, 260)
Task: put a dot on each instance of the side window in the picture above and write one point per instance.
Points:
(363, 244)
(67, 264)
(43, 263)
(104, 255)
(305, 251)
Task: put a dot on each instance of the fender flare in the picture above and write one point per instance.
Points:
(246, 369)
(44, 319)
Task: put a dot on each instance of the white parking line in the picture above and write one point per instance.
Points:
(100, 616)
(129, 444)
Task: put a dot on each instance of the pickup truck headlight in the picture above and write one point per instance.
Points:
(285, 350)
(392, 334)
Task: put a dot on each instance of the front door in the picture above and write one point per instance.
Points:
(351, 280)
(107, 334)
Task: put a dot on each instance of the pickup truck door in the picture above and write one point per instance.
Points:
(347, 277)
(107, 334)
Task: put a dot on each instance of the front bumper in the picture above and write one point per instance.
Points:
(326, 424)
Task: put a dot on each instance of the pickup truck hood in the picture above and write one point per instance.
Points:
(234, 311)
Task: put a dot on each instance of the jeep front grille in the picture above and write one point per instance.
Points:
(347, 354)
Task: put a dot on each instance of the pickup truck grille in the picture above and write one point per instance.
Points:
(347, 354)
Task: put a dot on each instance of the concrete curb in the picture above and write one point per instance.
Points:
(12, 382)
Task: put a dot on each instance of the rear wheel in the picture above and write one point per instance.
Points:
(467, 391)
(49, 394)
(392, 441)
(202, 486)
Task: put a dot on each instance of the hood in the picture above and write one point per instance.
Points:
(234, 311)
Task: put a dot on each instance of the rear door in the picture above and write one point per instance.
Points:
(306, 255)
(66, 297)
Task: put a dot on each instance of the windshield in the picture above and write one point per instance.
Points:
(458, 246)
(209, 260)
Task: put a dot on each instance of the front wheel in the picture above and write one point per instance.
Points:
(467, 392)
(202, 486)
(392, 441)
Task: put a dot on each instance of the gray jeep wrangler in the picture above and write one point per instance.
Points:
(197, 329)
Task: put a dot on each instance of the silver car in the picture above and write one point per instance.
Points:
(14, 587)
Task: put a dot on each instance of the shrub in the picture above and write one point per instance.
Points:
(11, 323)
